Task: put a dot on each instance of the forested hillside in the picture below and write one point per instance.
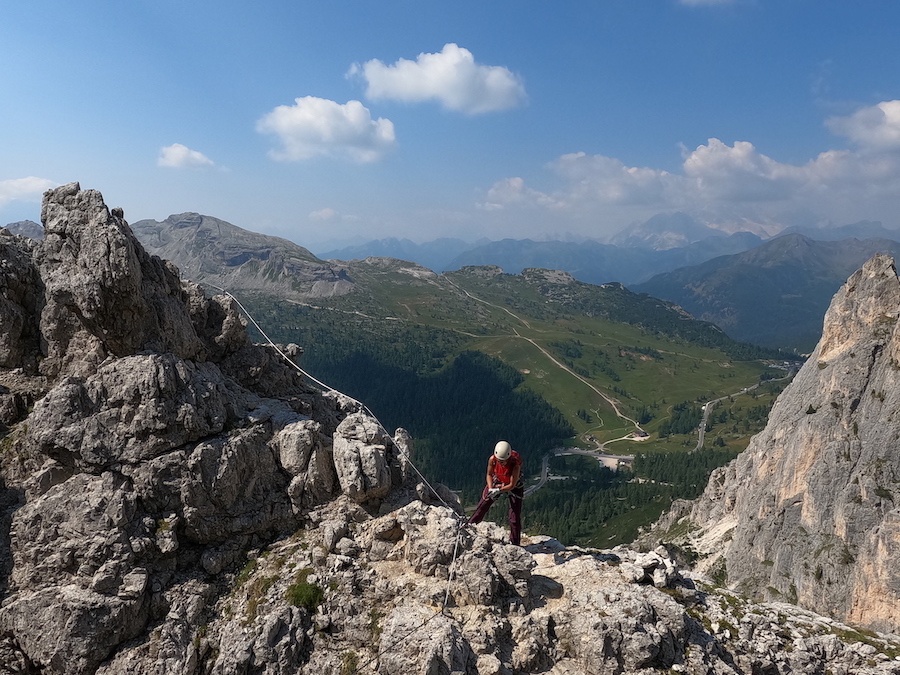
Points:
(445, 387)
(599, 507)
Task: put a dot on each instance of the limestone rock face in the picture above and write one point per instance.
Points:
(176, 500)
(810, 512)
(19, 303)
(104, 295)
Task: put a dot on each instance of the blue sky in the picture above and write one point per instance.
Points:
(328, 122)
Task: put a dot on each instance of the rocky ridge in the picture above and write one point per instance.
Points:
(176, 499)
(212, 251)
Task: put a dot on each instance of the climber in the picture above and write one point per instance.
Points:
(504, 476)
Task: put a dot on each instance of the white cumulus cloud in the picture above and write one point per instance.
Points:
(451, 77)
(30, 188)
(326, 215)
(875, 128)
(740, 173)
(609, 180)
(589, 180)
(514, 192)
(178, 156)
(315, 127)
(724, 183)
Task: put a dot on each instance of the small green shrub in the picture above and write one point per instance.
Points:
(245, 573)
(256, 592)
(349, 663)
(719, 573)
(301, 593)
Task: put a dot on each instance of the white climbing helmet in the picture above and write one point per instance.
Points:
(502, 450)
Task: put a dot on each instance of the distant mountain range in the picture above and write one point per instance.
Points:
(588, 261)
(663, 243)
(775, 294)
(772, 293)
(596, 263)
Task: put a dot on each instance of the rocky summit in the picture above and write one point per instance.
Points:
(177, 500)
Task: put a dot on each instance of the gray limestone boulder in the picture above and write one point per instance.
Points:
(361, 458)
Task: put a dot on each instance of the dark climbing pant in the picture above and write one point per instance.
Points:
(516, 495)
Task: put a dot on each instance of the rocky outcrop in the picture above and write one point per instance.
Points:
(174, 499)
(810, 512)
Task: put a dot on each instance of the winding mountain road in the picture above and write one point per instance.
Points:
(613, 403)
(599, 453)
(708, 406)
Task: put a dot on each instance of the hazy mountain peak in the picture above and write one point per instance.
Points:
(26, 228)
(665, 231)
(207, 249)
